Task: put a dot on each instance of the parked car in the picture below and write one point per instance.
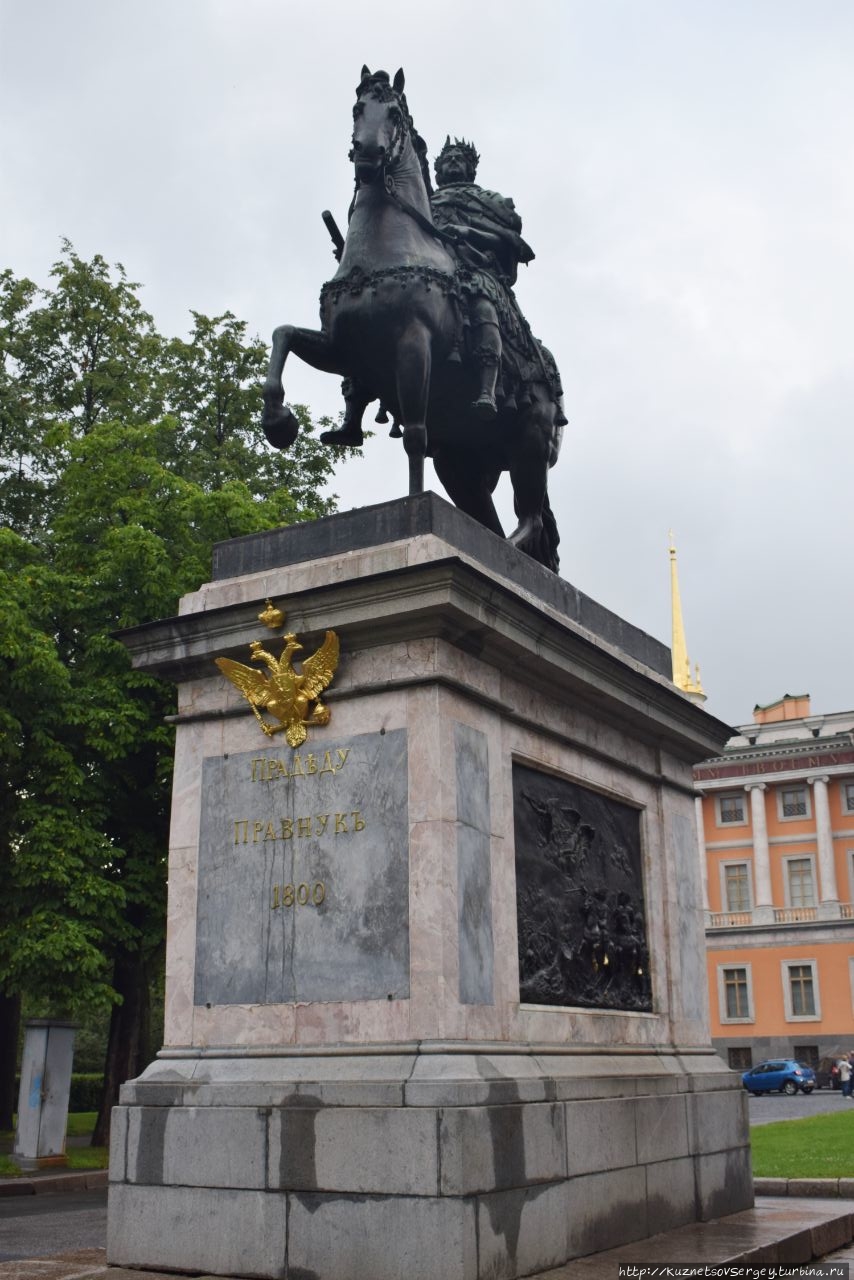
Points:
(782, 1075)
(827, 1073)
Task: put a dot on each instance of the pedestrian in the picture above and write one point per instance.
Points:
(845, 1077)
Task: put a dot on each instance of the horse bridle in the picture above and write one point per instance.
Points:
(405, 207)
(390, 188)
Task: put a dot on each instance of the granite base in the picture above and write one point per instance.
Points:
(351, 1087)
(431, 1165)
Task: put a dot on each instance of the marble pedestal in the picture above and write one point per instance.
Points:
(351, 1088)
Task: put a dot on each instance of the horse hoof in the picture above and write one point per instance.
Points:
(343, 437)
(280, 426)
(527, 533)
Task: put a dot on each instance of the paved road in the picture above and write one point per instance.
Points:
(777, 1106)
(38, 1226)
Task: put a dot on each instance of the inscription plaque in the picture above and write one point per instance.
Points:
(579, 896)
(303, 890)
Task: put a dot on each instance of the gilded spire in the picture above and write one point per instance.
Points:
(678, 646)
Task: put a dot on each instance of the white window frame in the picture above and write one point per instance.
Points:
(850, 859)
(785, 969)
(747, 863)
(800, 857)
(794, 817)
(844, 786)
(745, 807)
(751, 1008)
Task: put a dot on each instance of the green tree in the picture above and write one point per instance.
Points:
(57, 905)
(140, 453)
(20, 488)
(94, 351)
(210, 385)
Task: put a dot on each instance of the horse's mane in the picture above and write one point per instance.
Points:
(378, 85)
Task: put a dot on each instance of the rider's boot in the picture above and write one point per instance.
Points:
(356, 400)
(487, 354)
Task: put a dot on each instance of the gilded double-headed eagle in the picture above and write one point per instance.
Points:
(286, 694)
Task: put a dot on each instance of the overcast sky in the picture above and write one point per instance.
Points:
(685, 173)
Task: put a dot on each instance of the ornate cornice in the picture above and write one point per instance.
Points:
(803, 755)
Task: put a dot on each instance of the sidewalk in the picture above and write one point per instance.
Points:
(52, 1182)
(780, 1231)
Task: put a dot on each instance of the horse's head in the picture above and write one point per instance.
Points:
(380, 124)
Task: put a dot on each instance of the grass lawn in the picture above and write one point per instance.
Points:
(818, 1147)
(80, 1125)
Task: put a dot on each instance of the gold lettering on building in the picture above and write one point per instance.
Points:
(300, 895)
(270, 768)
(308, 826)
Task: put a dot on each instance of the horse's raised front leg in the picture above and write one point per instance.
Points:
(413, 385)
(278, 421)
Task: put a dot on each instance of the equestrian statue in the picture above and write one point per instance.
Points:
(421, 316)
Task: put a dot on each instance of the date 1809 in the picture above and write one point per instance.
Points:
(298, 895)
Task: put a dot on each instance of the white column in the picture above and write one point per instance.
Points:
(701, 845)
(764, 905)
(828, 892)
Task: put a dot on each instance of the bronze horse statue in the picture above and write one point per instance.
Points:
(392, 324)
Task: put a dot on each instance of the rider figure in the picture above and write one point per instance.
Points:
(482, 230)
(485, 228)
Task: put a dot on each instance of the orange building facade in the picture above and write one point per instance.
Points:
(775, 821)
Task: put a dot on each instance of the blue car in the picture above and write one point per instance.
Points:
(781, 1075)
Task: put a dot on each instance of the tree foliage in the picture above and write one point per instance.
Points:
(123, 457)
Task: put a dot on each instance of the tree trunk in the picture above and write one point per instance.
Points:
(10, 1022)
(127, 1044)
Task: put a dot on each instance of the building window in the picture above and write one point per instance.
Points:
(793, 803)
(735, 994)
(731, 809)
(807, 1053)
(800, 882)
(801, 985)
(740, 1058)
(800, 990)
(848, 797)
(736, 886)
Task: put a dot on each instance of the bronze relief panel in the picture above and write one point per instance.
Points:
(579, 896)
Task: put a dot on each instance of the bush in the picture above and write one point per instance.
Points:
(86, 1089)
